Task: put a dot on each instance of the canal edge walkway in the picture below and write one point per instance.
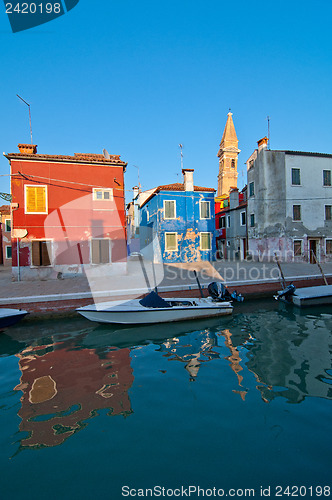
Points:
(70, 293)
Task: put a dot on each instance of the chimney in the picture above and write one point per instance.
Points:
(234, 198)
(28, 149)
(263, 143)
(188, 179)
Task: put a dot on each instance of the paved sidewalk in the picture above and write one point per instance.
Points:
(167, 277)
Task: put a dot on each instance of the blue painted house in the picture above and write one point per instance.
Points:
(177, 222)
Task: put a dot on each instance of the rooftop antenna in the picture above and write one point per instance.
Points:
(268, 131)
(29, 114)
(139, 184)
(181, 154)
(106, 154)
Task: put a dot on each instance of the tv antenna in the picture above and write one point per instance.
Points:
(106, 154)
(181, 154)
(139, 184)
(268, 130)
(29, 114)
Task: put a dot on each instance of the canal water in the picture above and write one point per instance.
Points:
(238, 406)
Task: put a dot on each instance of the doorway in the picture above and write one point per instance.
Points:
(313, 251)
(244, 249)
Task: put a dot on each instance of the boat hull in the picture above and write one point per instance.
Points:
(133, 314)
(9, 317)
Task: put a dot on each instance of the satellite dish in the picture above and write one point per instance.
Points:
(106, 154)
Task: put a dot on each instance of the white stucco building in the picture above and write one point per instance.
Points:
(289, 204)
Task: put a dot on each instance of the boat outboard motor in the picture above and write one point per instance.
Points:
(237, 296)
(287, 292)
(219, 292)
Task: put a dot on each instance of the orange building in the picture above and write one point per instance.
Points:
(68, 213)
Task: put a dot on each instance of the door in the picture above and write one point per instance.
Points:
(244, 249)
(313, 251)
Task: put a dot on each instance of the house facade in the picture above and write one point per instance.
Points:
(231, 226)
(177, 222)
(5, 237)
(289, 204)
(68, 214)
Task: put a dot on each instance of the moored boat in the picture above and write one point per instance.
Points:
(308, 296)
(9, 317)
(155, 309)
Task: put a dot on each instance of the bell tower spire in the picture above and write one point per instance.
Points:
(228, 154)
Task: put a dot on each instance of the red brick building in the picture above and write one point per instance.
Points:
(68, 213)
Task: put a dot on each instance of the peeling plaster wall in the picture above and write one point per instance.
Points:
(187, 224)
(273, 200)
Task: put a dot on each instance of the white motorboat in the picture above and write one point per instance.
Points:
(9, 317)
(155, 309)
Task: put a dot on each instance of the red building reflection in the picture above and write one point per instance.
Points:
(64, 386)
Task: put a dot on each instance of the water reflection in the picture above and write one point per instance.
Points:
(292, 354)
(63, 386)
(192, 350)
(72, 370)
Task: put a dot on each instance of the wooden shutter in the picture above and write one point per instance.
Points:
(95, 252)
(45, 253)
(100, 252)
(35, 199)
(169, 209)
(41, 253)
(205, 241)
(104, 251)
(171, 241)
(35, 253)
(205, 210)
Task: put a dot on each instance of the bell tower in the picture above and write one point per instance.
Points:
(228, 153)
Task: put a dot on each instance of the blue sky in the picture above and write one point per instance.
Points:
(138, 78)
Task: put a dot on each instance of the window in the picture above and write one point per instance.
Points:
(8, 225)
(171, 242)
(233, 163)
(251, 188)
(228, 243)
(102, 194)
(41, 252)
(204, 209)
(100, 251)
(326, 177)
(328, 212)
(296, 212)
(8, 252)
(205, 241)
(228, 221)
(328, 245)
(297, 248)
(243, 218)
(35, 199)
(169, 209)
(296, 177)
(222, 222)
(252, 220)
